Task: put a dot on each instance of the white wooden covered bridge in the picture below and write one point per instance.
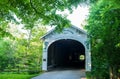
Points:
(70, 48)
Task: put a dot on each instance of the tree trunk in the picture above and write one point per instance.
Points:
(28, 41)
(111, 72)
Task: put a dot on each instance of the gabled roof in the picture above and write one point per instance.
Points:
(52, 30)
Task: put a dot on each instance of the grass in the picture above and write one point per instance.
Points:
(16, 76)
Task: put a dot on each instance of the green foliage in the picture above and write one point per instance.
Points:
(30, 11)
(6, 54)
(3, 32)
(22, 54)
(29, 51)
(104, 28)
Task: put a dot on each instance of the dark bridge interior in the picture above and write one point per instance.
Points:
(66, 53)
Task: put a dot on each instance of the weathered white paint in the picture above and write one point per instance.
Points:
(73, 33)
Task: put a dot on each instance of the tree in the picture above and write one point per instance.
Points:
(104, 29)
(28, 56)
(6, 54)
(30, 11)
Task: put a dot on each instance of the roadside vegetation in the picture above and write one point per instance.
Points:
(16, 76)
(104, 30)
(21, 55)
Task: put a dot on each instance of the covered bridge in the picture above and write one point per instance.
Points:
(67, 49)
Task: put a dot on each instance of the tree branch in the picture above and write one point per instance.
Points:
(34, 7)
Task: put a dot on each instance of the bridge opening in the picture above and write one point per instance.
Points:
(66, 53)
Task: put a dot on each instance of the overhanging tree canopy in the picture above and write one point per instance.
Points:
(30, 11)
